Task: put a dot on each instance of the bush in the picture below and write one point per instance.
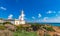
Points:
(19, 27)
(23, 27)
(2, 27)
(49, 28)
(35, 26)
(7, 23)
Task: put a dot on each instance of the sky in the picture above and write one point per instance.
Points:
(34, 10)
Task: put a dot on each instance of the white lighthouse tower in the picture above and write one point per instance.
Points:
(22, 21)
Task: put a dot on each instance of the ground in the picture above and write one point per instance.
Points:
(29, 30)
(25, 33)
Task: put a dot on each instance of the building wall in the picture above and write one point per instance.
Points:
(16, 22)
(22, 22)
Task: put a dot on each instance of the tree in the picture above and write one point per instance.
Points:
(7, 23)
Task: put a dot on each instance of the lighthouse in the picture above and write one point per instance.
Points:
(21, 18)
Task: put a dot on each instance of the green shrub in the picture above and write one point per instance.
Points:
(7, 23)
(2, 27)
(35, 26)
(49, 28)
(19, 27)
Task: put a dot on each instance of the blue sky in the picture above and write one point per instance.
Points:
(34, 10)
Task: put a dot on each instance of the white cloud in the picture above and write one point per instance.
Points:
(51, 20)
(10, 16)
(49, 12)
(33, 17)
(54, 12)
(39, 15)
(56, 15)
(58, 11)
(3, 8)
(45, 19)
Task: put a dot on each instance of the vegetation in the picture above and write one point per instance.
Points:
(7, 23)
(2, 27)
(25, 30)
(25, 33)
(19, 27)
(48, 28)
(35, 26)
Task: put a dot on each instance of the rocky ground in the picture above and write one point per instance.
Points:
(40, 29)
(56, 32)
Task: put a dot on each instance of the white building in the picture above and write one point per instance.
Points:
(21, 19)
(16, 21)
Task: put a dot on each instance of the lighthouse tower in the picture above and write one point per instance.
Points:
(22, 21)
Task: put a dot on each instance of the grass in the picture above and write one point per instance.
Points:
(25, 33)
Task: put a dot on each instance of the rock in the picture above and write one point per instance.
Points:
(6, 33)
